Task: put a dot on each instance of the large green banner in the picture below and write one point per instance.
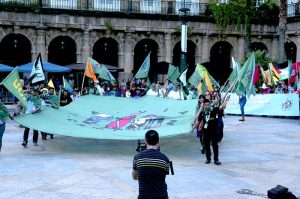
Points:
(109, 117)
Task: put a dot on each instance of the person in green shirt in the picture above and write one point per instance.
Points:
(3, 117)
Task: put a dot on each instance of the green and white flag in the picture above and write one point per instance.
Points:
(37, 72)
(173, 73)
(104, 73)
(66, 83)
(13, 84)
(144, 69)
(183, 77)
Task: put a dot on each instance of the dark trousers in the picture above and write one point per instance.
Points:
(26, 133)
(211, 138)
(2, 129)
(220, 128)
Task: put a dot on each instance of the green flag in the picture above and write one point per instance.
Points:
(13, 84)
(233, 75)
(173, 73)
(66, 83)
(246, 75)
(196, 77)
(144, 69)
(103, 73)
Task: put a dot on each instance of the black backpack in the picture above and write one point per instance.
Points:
(280, 192)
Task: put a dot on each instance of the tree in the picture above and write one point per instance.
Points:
(282, 28)
(248, 26)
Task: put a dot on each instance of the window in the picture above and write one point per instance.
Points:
(150, 6)
(64, 4)
(258, 2)
(193, 5)
(222, 1)
(291, 7)
(107, 5)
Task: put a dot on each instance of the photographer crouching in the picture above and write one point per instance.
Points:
(150, 168)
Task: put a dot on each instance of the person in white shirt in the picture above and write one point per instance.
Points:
(176, 93)
(161, 91)
(152, 91)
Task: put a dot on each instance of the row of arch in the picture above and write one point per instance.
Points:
(16, 50)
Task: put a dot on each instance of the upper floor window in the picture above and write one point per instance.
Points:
(258, 2)
(107, 5)
(193, 5)
(64, 4)
(150, 6)
(291, 7)
(222, 1)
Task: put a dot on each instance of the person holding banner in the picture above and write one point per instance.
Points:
(209, 128)
(242, 103)
(34, 106)
(3, 117)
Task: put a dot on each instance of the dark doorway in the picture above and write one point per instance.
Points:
(105, 51)
(141, 51)
(62, 51)
(190, 57)
(15, 50)
(291, 51)
(220, 55)
(254, 46)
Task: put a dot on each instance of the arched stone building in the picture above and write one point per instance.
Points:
(124, 40)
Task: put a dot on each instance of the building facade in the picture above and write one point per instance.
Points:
(122, 33)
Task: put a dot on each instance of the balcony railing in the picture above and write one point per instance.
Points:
(293, 9)
(128, 6)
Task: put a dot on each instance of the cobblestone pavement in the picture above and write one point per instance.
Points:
(256, 155)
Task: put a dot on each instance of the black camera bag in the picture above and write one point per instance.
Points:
(280, 192)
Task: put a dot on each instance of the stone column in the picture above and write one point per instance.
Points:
(168, 47)
(85, 50)
(298, 49)
(274, 48)
(198, 52)
(40, 44)
(240, 48)
(128, 57)
(205, 50)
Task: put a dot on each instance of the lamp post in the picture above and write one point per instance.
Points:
(183, 18)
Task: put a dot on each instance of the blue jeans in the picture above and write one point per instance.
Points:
(2, 129)
(242, 103)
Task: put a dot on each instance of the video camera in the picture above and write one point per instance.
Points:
(142, 146)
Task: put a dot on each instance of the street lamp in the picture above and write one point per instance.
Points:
(183, 18)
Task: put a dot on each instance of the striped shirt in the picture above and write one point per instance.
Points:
(152, 167)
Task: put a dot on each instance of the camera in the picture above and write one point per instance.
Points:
(142, 146)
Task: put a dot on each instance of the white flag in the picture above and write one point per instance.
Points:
(183, 77)
(37, 72)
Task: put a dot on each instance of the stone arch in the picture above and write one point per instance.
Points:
(290, 50)
(141, 50)
(139, 37)
(15, 50)
(220, 57)
(254, 46)
(106, 51)
(62, 50)
(191, 50)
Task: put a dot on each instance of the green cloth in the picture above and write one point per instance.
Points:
(144, 69)
(3, 112)
(109, 117)
(13, 84)
(36, 100)
(173, 73)
(54, 100)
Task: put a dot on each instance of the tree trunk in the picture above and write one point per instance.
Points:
(248, 26)
(282, 29)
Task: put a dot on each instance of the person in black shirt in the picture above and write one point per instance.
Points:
(209, 116)
(150, 168)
